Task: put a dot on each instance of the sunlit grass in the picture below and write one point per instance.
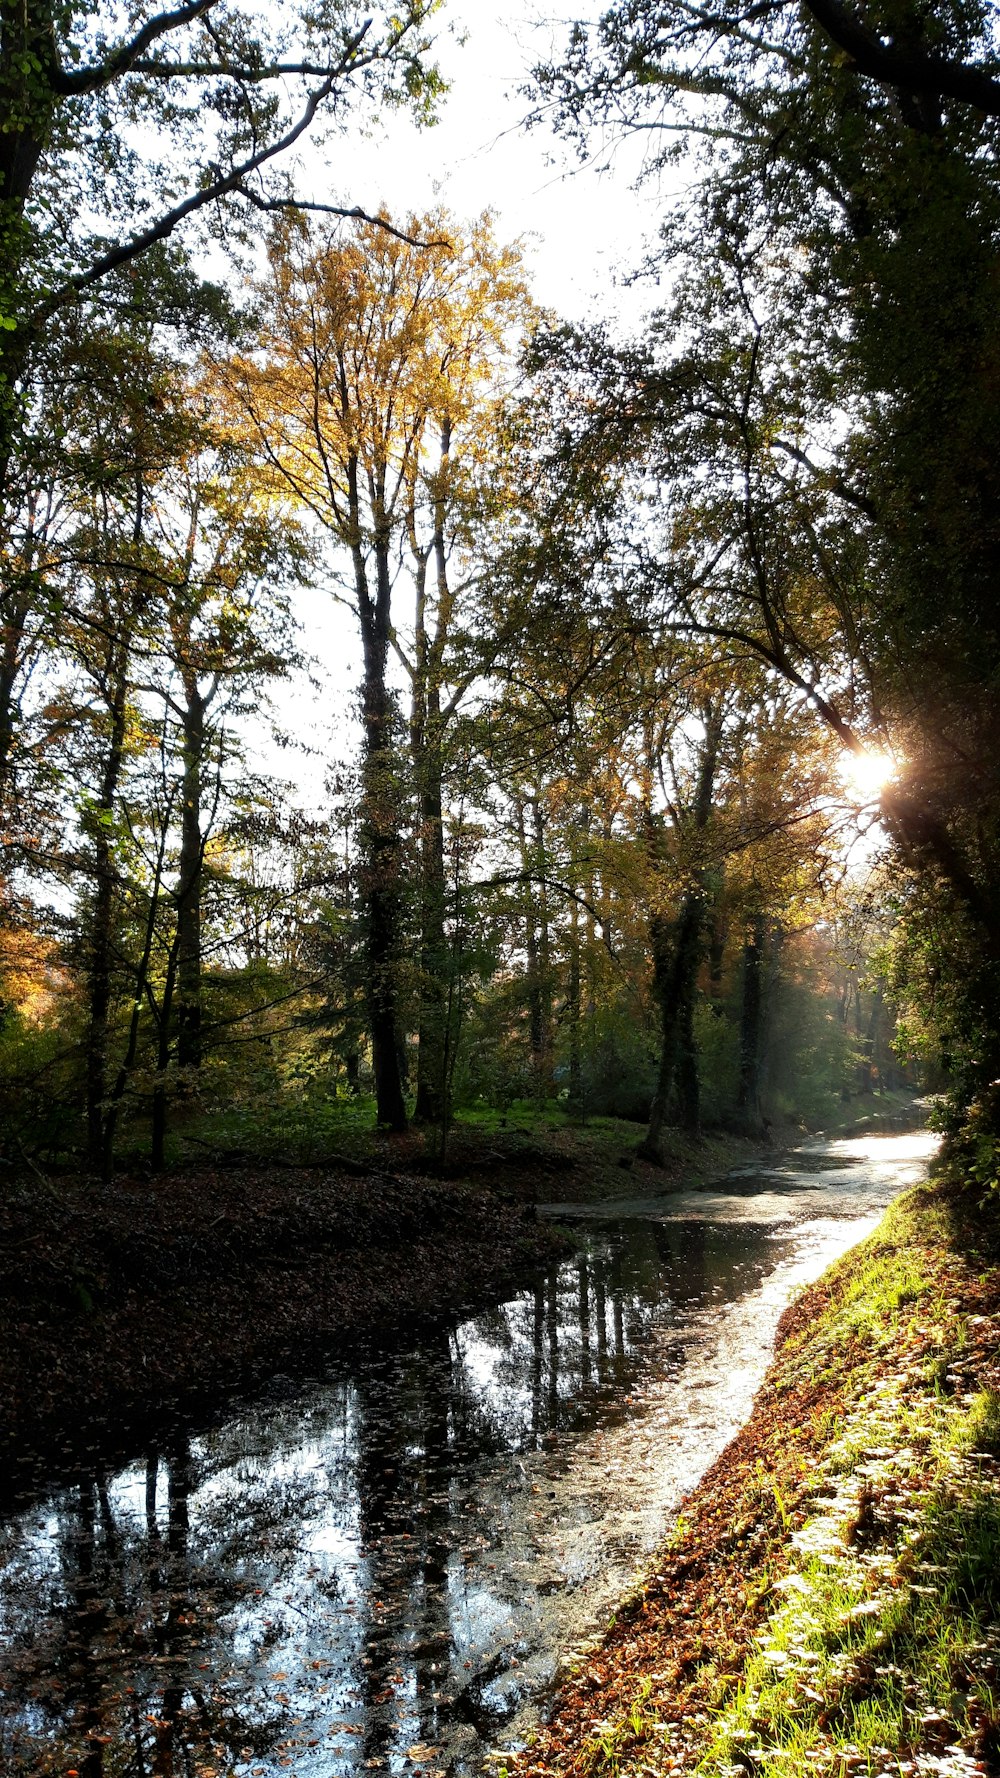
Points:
(613, 1744)
(871, 1648)
(885, 1635)
(883, 1276)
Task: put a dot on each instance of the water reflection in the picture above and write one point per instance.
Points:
(371, 1573)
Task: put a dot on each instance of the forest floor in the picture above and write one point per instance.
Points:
(829, 1601)
(124, 1304)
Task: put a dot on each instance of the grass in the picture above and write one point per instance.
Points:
(597, 1156)
(885, 1634)
(308, 1126)
(612, 1744)
(887, 1621)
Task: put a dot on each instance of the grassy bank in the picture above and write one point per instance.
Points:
(598, 1149)
(830, 1599)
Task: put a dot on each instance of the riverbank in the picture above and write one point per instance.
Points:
(127, 1304)
(124, 1304)
(830, 1599)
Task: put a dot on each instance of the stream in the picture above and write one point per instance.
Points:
(380, 1569)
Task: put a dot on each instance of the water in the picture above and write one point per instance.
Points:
(381, 1569)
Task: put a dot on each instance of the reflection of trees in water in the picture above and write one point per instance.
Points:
(108, 1678)
(583, 1306)
(197, 1567)
(709, 1261)
(408, 1508)
(432, 1636)
(579, 1328)
(682, 1251)
(84, 1622)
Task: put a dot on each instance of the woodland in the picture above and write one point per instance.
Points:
(676, 783)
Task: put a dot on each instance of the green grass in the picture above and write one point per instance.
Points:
(872, 1646)
(885, 1634)
(306, 1128)
(612, 1744)
(872, 1284)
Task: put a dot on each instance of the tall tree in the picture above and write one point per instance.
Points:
(841, 249)
(221, 561)
(377, 352)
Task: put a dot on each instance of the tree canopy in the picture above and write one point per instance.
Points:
(622, 607)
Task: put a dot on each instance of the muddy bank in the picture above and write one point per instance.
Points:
(120, 1303)
(830, 1599)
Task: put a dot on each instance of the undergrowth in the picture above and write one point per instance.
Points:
(881, 1650)
(882, 1655)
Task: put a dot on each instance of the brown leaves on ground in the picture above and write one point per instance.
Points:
(118, 1301)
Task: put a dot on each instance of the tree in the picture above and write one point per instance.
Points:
(167, 581)
(375, 355)
(643, 610)
(839, 254)
(459, 484)
(221, 561)
(80, 193)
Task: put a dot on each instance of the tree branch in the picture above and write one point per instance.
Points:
(352, 213)
(909, 70)
(512, 879)
(228, 71)
(123, 59)
(165, 225)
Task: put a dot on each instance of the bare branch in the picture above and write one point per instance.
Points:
(513, 879)
(229, 70)
(835, 482)
(351, 213)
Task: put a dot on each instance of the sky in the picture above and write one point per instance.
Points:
(582, 228)
(581, 225)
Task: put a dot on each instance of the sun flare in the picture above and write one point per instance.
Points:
(865, 775)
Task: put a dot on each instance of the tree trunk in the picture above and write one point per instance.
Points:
(13, 618)
(427, 750)
(716, 950)
(676, 956)
(748, 1098)
(381, 866)
(99, 958)
(28, 105)
(158, 1135)
(189, 1049)
(687, 1089)
(574, 1010)
(536, 1033)
(127, 1063)
(434, 961)
(677, 948)
(544, 949)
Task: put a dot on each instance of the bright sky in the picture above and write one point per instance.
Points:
(581, 226)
